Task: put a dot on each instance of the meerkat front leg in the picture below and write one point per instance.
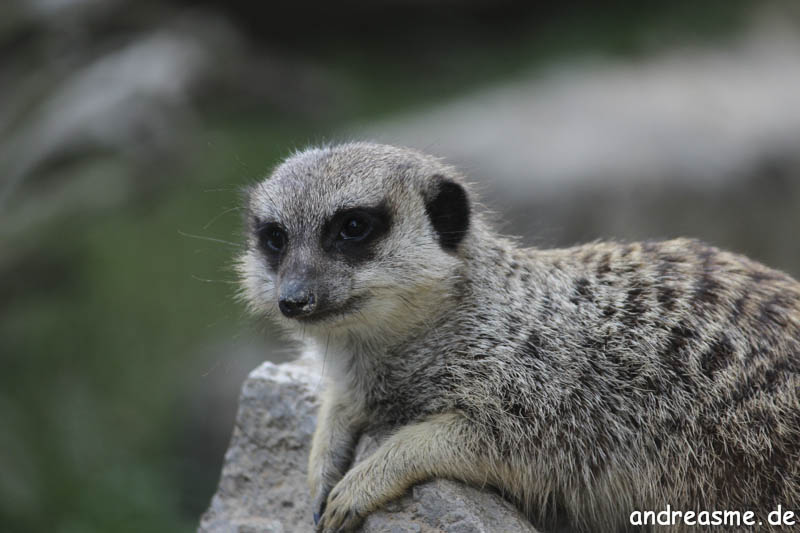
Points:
(445, 445)
(339, 424)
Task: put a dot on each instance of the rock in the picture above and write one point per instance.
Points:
(263, 482)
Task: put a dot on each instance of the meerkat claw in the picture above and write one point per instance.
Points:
(319, 506)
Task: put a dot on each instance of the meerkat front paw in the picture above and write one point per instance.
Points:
(348, 504)
(325, 469)
(320, 490)
(321, 480)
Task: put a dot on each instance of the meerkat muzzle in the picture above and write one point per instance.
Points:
(297, 300)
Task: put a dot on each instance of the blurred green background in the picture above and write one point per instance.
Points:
(126, 132)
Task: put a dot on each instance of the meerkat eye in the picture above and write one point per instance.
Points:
(272, 237)
(352, 233)
(355, 228)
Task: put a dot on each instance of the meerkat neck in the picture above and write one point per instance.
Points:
(358, 356)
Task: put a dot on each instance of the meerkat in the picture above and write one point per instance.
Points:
(584, 384)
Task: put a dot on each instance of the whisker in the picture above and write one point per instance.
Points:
(222, 189)
(206, 280)
(211, 239)
(324, 360)
(237, 208)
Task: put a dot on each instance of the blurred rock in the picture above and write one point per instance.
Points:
(696, 115)
(263, 482)
(101, 100)
(696, 142)
(131, 100)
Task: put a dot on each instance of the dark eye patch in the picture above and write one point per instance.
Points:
(272, 241)
(353, 232)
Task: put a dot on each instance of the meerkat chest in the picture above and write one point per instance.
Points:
(405, 389)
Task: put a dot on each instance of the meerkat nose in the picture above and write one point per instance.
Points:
(297, 300)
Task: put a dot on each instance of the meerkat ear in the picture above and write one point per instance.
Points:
(449, 211)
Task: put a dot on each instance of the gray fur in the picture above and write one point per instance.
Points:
(584, 383)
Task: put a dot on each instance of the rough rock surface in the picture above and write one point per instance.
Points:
(263, 488)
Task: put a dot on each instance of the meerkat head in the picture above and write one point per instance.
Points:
(355, 237)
